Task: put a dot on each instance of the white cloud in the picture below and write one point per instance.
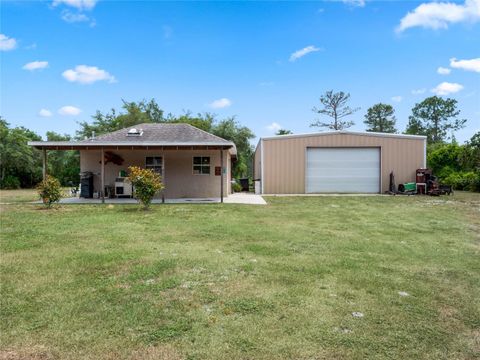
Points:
(443, 71)
(468, 65)
(45, 113)
(446, 88)
(355, 3)
(418, 91)
(69, 110)
(438, 15)
(78, 4)
(302, 52)
(274, 127)
(71, 17)
(397, 98)
(87, 75)
(220, 103)
(35, 65)
(7, 43)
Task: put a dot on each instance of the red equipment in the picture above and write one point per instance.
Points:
(423, 177)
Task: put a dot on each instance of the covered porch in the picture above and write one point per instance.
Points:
(190, 173)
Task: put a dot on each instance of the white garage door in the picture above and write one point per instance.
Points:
(343, 170)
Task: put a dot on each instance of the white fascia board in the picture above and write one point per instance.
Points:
(123, 143)
(403, 136)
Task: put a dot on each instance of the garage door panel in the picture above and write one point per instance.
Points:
(356, 187)
(338, 174)
(343, 170)
(344, 164)
(355, 169)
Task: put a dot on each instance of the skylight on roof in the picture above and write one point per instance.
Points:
(135, 132)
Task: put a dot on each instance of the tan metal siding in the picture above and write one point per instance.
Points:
(284, 158)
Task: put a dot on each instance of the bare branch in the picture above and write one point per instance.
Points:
(335, 106)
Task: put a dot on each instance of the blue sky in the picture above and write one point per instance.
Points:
(265, 62)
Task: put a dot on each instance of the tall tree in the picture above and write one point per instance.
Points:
(381, 118)
(134, 113)
(63, 164)
(434, 117)
(283, 132)
(230, 129)
(335, 105)
(20, 164)
(470, 158)
(202, 121)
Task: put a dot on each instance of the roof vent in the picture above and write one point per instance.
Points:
(135, 132)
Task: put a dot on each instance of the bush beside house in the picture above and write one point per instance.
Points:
(50, 191)
(146, 184)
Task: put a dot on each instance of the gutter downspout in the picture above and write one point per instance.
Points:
(102, 176)
(425, 153)
(221, 175)
(261, 167)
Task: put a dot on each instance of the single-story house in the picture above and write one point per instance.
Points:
(193, 163)
(336, 162)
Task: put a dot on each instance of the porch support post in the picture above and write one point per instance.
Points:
(44, 170)
(102, 176)
(221, 175)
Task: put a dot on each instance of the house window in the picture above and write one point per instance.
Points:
(201, 165)
(155, 163)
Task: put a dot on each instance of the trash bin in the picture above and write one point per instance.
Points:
(244, 184)
(86, 184)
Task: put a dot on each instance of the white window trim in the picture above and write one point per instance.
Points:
(209, 165)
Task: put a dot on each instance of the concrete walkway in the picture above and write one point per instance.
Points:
(237, 198)
(245, 198)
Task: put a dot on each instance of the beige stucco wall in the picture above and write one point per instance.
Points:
(178, 177)
(284, 158)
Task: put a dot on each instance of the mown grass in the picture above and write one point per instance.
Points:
(216, 281)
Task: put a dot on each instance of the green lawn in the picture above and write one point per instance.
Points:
(217, 281)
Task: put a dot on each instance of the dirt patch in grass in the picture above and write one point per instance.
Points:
(160, 352)
(475, 338)
(33, 353)
(447, 312)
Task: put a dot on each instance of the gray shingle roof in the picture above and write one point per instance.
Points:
(162, 133)
(179, 135)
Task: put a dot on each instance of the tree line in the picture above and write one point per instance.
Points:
(21, 165)
(434, 117)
